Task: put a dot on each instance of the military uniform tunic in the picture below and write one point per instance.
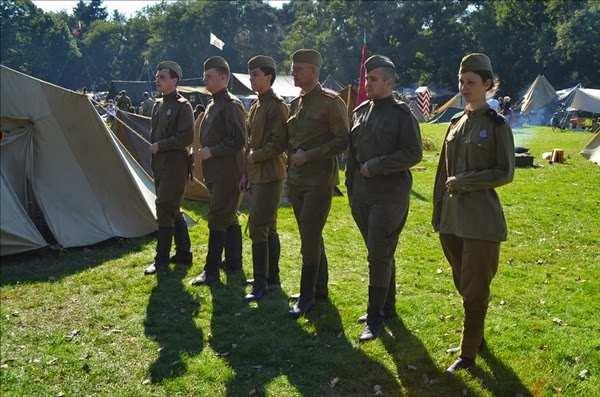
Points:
(223, 131)
(385, 136)
(318, 124)
(479, 151)
(172, 129)
(265, 163)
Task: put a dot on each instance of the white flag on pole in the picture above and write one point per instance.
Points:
(217, 42)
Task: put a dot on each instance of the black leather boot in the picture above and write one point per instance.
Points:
(164, 238)
(233, 249)
(274, 282)
(216, 242)
(306, 301)
(183, 255)
(260, 267)
(374, 324)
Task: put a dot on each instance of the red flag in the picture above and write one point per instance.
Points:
(362, 80)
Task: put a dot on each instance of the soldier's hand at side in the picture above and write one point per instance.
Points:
(154, 148)
(364, 171)
(251, 156)
(299, 158)
(205, 153)
(451, 184)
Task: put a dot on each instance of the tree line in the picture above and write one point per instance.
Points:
(425, 39)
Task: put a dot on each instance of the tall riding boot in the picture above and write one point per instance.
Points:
(183, 255)
(274, 282)
(389, 309)
(164, 237)
(374, 323)
(216, 242)
(233, 249)
(322, 291)
(260, 268)
(306, 301)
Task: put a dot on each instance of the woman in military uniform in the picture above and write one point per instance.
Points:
(477, 156)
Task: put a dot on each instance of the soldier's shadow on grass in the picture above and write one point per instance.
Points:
(415, 367)
(262, 344)
(170, 322)
(501, 378)
(46, 265)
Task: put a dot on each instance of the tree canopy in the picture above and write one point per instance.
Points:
(425, 39)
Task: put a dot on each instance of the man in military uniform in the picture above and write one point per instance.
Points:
(265, 172)
(222, 136)
(146, 105)
(317, 133)
(477, 156)
(172, 133)
(385, 143)
(123, 101)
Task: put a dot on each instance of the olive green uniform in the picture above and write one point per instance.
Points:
(385, 136)
(265, 165)
(173, 130)
(318, 124)
(223, 131)
(479, 151)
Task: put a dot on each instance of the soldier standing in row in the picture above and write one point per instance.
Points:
(385, 142)
(265, 172)
(477, 157)
(222, 136)
(317, 133)
(146, 105)
(172, 134)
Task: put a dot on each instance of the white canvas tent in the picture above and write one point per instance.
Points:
(583, 99)
(591, 151)
(283, 85)
(57, 153)
(539, 94)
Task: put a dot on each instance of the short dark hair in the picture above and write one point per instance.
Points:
(487, 75)
(269, 71)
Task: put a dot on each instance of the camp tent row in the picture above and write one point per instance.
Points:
(63, 171)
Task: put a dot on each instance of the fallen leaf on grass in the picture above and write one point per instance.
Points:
(145, 381)
(584, 374)
(453, 350)
(72, 335)
(557, 321)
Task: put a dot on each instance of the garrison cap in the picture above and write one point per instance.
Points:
(379, 61)
(305, 55)
(261, 61)
(171, 65)
(475, 62)
(216, 62)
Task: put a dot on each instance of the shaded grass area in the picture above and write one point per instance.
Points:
(87, 322)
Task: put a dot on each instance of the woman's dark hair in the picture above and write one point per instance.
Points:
(487, 75)
(269, 71)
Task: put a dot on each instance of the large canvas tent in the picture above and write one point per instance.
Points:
(61, 166)
(583, 100)
(539, 95)
(283, 86)
(591, 151)
(133, 130)
(445, 112)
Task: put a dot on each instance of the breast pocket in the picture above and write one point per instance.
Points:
(480, 152)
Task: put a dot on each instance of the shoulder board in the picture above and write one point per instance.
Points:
(295, 99)
(457, 116)
(329, 93)
(181, 99)
(402, 105)
(496, 118)
(362, 105)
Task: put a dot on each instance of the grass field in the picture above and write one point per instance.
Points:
(88, 322)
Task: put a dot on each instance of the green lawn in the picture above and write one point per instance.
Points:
(88, 322)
